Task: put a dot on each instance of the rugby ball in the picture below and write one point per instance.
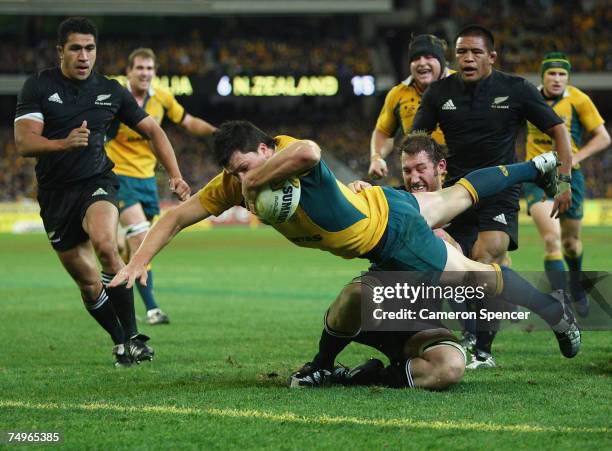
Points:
(277, 202)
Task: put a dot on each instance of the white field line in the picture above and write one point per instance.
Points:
(288, 417)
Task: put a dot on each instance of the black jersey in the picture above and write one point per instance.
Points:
(63, 104)
(481, 121)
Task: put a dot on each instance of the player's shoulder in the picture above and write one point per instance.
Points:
(162, 94)
(575, 94)
(510, 79)
(283, 141)
(44, 76)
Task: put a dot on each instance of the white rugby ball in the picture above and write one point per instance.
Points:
(276, 203)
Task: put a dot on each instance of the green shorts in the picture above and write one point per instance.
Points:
(534, 193)
(134, 191)
(409, 243)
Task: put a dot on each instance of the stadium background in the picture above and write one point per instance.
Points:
(334, 61)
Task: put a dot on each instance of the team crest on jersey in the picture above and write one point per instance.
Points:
(497, 103)
(100, 100)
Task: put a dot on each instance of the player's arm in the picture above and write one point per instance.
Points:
(165, 154)
(600, 139)
(441, 233)
(381, 146)
(296, 159)
(563, 200)
(426, 118)
(30, 142)
(196, 126)
(161, 233)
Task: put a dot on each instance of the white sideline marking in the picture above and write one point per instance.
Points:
(320, 419)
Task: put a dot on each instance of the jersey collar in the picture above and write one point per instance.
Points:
(565, 91)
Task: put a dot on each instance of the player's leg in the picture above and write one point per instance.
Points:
(342, 322)
(550, 232)
(440, 207)
(431, 359)
(571, 226)
(512, 288)
(136, 225)
(100, 223)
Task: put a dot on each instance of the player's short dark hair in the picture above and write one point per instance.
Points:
(479, 31)
(238, 135)
(81, 25)
(418, 141)
(141, 52)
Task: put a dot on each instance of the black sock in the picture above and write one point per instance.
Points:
(397, 375)
(122, 299)
(104, 313)
(330, 345)
(484, 340)
(517, 290)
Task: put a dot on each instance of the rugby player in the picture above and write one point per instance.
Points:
(61, 118)
(135, 161)
(427, 64)
(579, 116)
(480, 111)
(389, 227)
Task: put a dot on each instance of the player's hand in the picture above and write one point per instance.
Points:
(250, 195)
(130, 274)
(358, 186)
(563, 200)
(180, 188)
(378, 169)
(78, 137)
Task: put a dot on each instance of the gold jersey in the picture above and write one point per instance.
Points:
(329, 217)
(578, 113)
(129, 150)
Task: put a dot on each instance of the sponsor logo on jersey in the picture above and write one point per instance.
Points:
(99, 192)
(501, 218)
(55, 98)
(449, 105)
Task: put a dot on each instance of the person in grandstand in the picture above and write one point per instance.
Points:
(389, 227)
(61, 118)
(427, 64)
(135, 161)
(579, 116)
(480, 111)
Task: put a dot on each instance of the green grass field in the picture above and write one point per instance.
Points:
(246, 309)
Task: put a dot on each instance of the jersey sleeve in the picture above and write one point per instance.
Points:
(174, 110)
(29, 104)
(426, 117)
(536, 110)
(387, 122)
(129, 112)
(588, 114)
(221, 193)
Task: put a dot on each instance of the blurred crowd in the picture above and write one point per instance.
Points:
(347, 142)
(524, 29)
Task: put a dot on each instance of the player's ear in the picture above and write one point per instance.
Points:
(492, 56)
(442, 165)
(60, 51)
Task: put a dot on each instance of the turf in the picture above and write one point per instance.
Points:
(246, 309)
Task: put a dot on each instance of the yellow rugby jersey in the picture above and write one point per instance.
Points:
(128, 149)
(578, 113)
(399, 109)
(329, 217)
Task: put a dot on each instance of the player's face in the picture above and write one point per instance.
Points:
(420, 173)
(555, 82)
(241, 163)
(425, 70)
(78, 56)
(474, 60)
(141, 74)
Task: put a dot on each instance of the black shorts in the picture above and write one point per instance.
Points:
(496, 213)
(62, 210)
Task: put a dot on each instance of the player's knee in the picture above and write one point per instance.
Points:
(571, 245)
(344, 315)
(447, 371)
(106, 251)
(552, 243)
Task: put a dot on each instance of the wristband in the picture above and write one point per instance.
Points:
(565, 178)
(376, 157)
